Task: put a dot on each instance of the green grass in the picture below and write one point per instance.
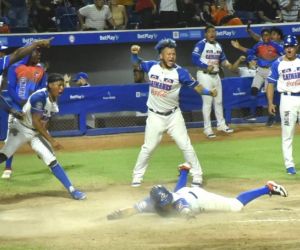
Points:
(258, 158)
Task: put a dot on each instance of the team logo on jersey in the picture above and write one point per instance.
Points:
(39, 105)
(155, 77)
(168, 80)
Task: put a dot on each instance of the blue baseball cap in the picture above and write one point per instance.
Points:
(80, 75)
(2, 47)
(290, 41)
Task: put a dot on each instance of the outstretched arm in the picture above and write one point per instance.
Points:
(122, 213)
(24, 51)
(235, 65)
(203, 91)
(238, 46)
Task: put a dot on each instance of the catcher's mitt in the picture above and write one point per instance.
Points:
(115, 215)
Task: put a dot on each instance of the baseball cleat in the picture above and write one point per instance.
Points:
(6, 174)
(197, 181)
(78, 195)
(184, 166)
(291, 170)
(225, 129)
(276, 189)
(209, 134)
(136, 182)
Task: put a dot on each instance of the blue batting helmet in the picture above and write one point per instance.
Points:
(161, 196)
(165, 43)
(290, 41)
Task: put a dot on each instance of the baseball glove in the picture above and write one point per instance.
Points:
(115, 215)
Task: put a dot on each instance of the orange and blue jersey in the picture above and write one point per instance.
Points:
(265, 53)
(23, 80)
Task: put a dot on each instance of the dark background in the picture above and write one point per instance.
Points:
(110, 63)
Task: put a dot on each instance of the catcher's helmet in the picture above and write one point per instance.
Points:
(165, 43)
(160, 195)
(290, 41)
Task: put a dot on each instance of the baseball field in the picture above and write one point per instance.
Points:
(37, 213)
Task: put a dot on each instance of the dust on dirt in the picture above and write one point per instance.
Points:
(57, 222)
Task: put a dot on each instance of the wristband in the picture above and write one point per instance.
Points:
(135, 59)
(206, 91)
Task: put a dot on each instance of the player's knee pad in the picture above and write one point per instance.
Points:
(254, 91)
(52, 164)
(3, 157)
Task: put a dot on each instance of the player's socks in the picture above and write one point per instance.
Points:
(248, 196)
(9, 163)
(60, 174)
(182, 180)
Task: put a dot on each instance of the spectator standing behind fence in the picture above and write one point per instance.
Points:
(17, 13)
(42, 14)
(164, 114)
(119, 14)
(208, 56)
(146, 10)
(94, 16)
(168, 13)
(290, 10)
(269, 11)
(285, 78)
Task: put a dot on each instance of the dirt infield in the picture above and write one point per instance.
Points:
(57, 222)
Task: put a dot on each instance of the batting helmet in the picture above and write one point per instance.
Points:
(165, 43)
(290, 41)
(161, 196)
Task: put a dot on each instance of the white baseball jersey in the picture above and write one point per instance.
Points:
(286, 74)
(197, 199)
(209, 54)
(165, 85)
(39, 102)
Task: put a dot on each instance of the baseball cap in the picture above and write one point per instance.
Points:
(290, 40)
(80, 75)
(2, 47)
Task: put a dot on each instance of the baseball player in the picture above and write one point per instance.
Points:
(189, 201)
(23, 78)
(285, 74)
(40, 106)
(264, 53)
(207, 56)
(164, 115)
(17, 55)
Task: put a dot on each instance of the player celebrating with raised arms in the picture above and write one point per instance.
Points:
(164, 115)
(189, 201)
(40, 106)
(285, 74)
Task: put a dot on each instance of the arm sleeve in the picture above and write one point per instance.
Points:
(181, 204)
(273, 77)
(186, 79)
(12, 84)
(38, 102)
(145, 206)
(146, 65)
(196, 55)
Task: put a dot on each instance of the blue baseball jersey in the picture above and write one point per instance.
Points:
(206, 54)
(265, 53)
(4, 63)
(39, 102)
(165, 85)
(285, 74)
